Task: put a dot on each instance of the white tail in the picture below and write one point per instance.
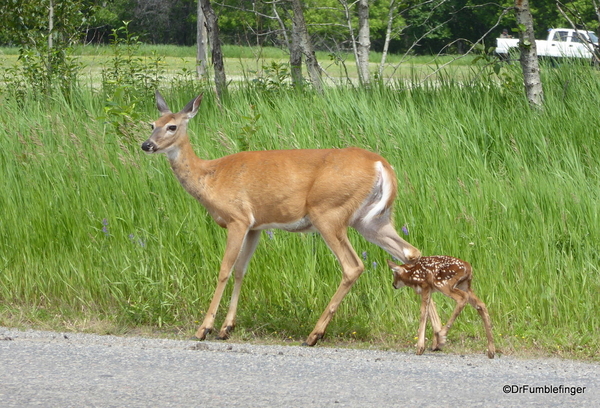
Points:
(450, 276)
(324, 190)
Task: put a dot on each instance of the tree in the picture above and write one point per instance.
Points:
(388, 35)
(299, 30)
(529, 60)
(201, 44)
(46, 30)
(578, 16)
(296, 49)
(212, 27)
(364, 43)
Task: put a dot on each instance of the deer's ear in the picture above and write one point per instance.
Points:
(192, 107)
(393, 266)
(162, 106)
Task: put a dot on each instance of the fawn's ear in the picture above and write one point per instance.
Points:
(395, 268)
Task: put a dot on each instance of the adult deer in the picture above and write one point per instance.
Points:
(450, 276)
(324, 190)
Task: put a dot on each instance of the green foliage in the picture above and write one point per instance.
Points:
(273, 77)
(248, 130)
(127, 78)
(437, 24)
(488, 57)
(126, 68)
(45, 40)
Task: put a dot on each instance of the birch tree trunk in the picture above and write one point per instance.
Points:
(529, 60)
(353, 40)
(364, 43)
(299, 27)
(388, 37)
(50, 24)
(212, 28)
(202, 45)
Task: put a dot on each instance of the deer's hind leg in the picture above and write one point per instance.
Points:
(352, 267)
(381, 233)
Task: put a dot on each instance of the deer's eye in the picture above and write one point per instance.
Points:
(172, 128)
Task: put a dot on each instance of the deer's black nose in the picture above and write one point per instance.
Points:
(148, 146)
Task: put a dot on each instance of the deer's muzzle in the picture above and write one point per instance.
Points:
(148, 146)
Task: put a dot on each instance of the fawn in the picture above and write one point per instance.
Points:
(450, 276)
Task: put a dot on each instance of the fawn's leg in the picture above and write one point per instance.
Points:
(461, 297)
(485, 316)
(436, 323)
(425, 299)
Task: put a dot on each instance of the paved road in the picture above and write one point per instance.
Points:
(46, 369)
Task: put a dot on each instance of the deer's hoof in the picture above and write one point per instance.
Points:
(225, 333)
(201, 334)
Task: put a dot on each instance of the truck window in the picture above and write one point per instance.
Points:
(579, 38)
(560, 36)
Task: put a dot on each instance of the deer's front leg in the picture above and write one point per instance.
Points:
(248, 248)
(236, 233)
(425, 299)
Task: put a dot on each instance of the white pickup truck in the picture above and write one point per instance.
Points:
(561, 42)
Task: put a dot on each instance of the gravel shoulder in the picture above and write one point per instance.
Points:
(49, 369)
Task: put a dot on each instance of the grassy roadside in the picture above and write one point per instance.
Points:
(248, 62)
(96, 236)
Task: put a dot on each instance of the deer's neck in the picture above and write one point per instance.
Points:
(189, 168)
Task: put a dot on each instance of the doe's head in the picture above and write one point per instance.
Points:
(171, 127)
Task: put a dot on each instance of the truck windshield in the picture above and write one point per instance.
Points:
(581, 37)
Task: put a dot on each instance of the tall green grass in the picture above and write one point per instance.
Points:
(92, 229)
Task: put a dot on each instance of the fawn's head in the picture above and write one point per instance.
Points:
(171, 127)
(398, 271)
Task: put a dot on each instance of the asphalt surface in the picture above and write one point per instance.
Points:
(47, 369)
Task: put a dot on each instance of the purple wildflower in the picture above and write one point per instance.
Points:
(405, 229)
(364, 255)
(105, 227)
(140, 242)
(270, 234)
